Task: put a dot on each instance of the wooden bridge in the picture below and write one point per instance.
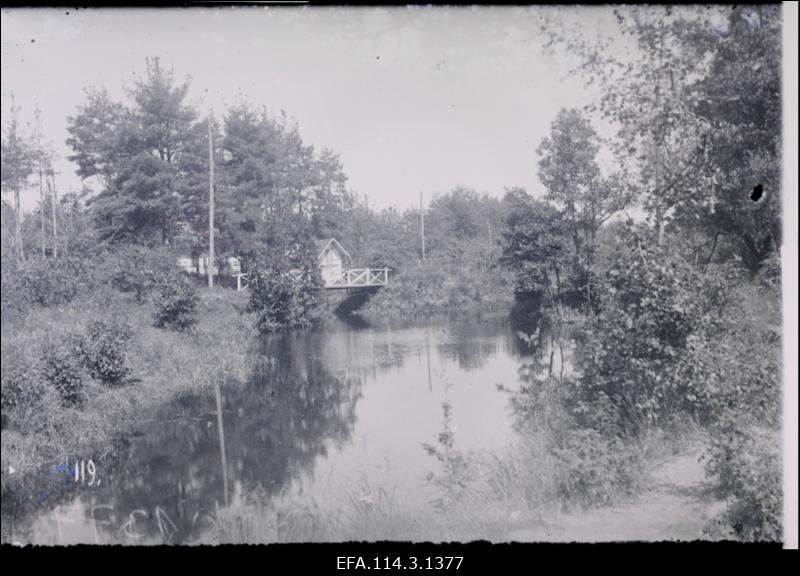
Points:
(359, 278)
(348, 279)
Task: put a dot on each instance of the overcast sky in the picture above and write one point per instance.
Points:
(411, 98)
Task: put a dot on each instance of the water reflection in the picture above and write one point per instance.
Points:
(319, 410)
(167, 478)
(548, 357)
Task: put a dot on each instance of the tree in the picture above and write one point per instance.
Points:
(740, 103)
(278, 191)
(96, 136)
(570, 173)
(18, 161)
(696, 99)
(536, 248)
(144, 155)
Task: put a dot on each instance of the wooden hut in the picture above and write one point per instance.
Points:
(332, 259)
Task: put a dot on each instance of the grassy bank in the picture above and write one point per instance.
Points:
(492, 496)
(161, 362)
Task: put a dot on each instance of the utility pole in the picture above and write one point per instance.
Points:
(210, 265)
(39, 160)
(14, 145)
(54, 204)
(422, 224)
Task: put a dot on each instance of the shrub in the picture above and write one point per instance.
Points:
(60, 369)
(592, 470)
(746, 463)
(50, 281)
(455, 474)
(655, 308)
(21, 388)
(103, 351)
(280, 301)
(175, 302)
(139, 270)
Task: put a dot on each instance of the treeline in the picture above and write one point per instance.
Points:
(149, 158)
(146, 165)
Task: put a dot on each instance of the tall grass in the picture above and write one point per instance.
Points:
(163, 363)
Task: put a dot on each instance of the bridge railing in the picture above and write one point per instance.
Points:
(360, 277)
(350, 278)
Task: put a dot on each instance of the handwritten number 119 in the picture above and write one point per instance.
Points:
(82, 468)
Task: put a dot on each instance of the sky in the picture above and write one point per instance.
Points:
(412, 99)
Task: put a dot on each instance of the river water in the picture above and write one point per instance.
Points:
(325, 415)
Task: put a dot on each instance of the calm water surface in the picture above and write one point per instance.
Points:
(324, 414)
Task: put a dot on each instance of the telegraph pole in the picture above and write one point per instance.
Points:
(422, 224)
(210, 265)
(54, 204)
(39, 169)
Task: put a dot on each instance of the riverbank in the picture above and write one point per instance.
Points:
(502, 502)
(678, 505)
(162, 363)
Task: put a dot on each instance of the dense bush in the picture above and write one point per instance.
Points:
(280, 301)
(21, 388)
(654, 308)
(46, 282)
(104, 349)
(737, 366)
(139, 270)
(175, 299)
(745, 460)
(60, 368)
(590, 466)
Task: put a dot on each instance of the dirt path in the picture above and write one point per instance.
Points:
(676, 507)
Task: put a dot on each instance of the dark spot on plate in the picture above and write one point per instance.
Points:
(758, 193)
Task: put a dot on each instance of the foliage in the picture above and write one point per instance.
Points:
(585, 200)
(594, 469)
(697, 103)
(17, 163)
(654, 309)
(455, 474)
(175, 301)
(589, 463)
(463, 232)
(104, 350)
(281, 300)
(747, 464)
(49, 282)
(17, 156)
(60, 369)
(21, 388)
(140, 152)
(536, 250)
(278, 190)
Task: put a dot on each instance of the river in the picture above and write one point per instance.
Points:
(325, 416)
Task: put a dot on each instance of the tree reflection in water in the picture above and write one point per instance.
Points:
(548, 352)
(168, 477)
(471, 344)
